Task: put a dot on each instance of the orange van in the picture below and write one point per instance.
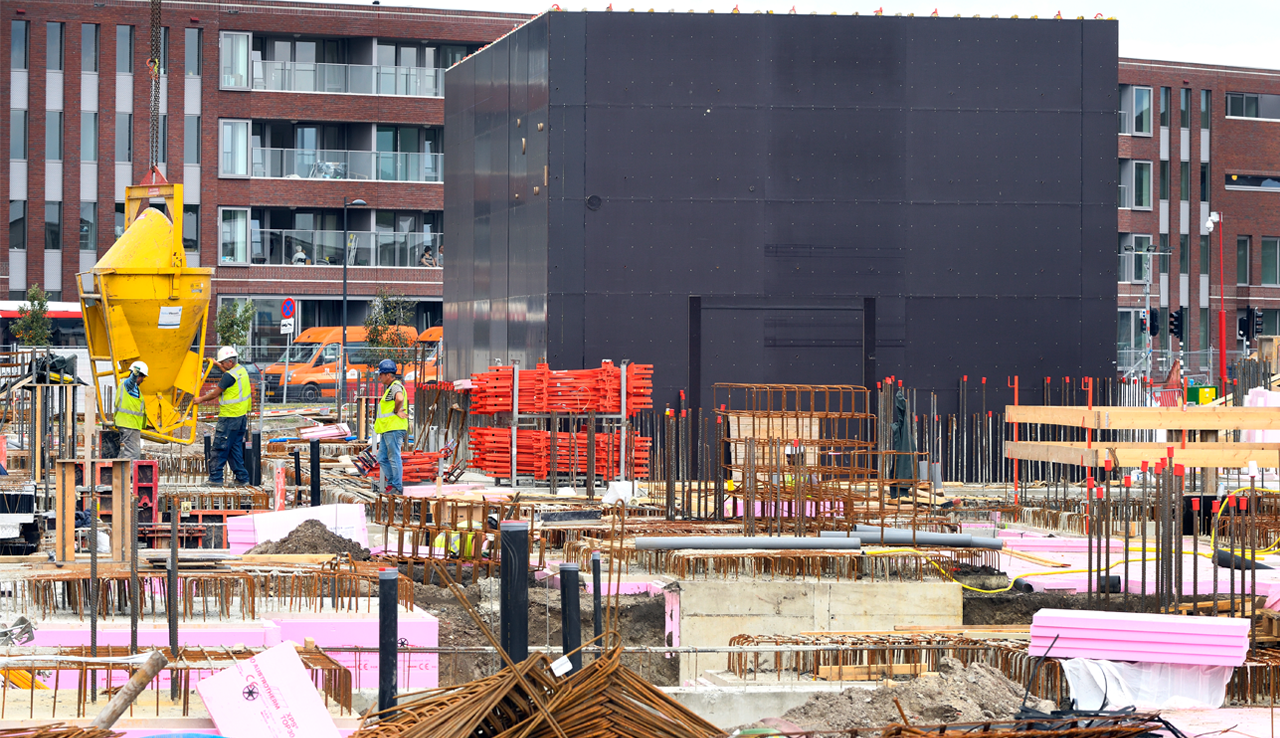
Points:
(313, 363)
(429, 351)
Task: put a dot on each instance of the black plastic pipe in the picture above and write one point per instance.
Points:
(388, 636)
(570, 614)
(598, 618)
(257, 459)
(513, 604)
(1235, 561)
(315, 472)
(297, 473)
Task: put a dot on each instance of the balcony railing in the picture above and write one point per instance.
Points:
(1125, 127)
(324, 248)
(358, 79)
(1123, 197)
(331, 164)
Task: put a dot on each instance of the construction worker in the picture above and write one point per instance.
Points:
(235, 396)
(131, 411)
(391, 425)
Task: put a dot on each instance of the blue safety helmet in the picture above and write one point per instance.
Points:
(387, 366)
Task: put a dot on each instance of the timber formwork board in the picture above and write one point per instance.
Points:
(1191, 417)
(1192, 455)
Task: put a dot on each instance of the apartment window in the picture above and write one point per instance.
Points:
(1184, 254)
(1204, 110)
(1204, 332)
(53, 136)
(1184, 187)
(1205, 248)
(1164, 107)
(119, 219)
(1184, 108)
(52, 226)
(164, 49)
(1142, 184)
(164, 139)
(1204, 182)
(18, 47)
(88, 226)
(191, 139)
(18, 224)
(191, 227)
(1142, 110)
(124, 49)
(233, 62)
(1242, 259)
(88, 137)
(1164, 180)
(192, 50)
(1134, 260)
(53, 52)
(1271, 262)
(17, 134)
(234, 147)
(88, 47)
(233, 231)
(1249, 105)
(1252, 182)
(124, 137)
(1164, 253)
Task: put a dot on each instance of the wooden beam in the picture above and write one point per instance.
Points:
(64, 502)
(1194, 455)
(1192, 417)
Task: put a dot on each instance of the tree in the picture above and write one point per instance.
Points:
(385, 328)
(32, 327)
(234, 319)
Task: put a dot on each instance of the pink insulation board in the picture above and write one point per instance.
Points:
(417, 629)
(269, 695)
(1114, 636)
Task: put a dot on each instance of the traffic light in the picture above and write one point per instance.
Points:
(1175, 323)
(1257, 322)
(1153, 325)
(1242, 327)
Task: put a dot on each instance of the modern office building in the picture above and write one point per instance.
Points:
(1196, 139)
(272, 115)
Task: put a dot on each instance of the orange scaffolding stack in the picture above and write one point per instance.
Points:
(577, 391)
(491, 452)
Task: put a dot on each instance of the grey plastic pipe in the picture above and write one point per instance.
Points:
(902, 537)
(650, 543)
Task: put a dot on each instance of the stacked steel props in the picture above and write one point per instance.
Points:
(602, 700)
(416, 466)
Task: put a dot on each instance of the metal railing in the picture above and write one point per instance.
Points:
(1122, 200)
(1199, 367)
(1125, 126)
(324, 248)
(387, 166)
(358, 79)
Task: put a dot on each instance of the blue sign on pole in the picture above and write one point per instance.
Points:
(286, 308)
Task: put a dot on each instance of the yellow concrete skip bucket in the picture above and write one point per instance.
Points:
(142, 302)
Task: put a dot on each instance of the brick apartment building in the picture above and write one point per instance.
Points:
(272, 114)
(1196, 139)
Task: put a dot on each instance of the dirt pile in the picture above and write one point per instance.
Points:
(1017, 608)
(956, 694)
(312, 537)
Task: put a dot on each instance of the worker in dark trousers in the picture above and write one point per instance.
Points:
(131, 411)
(391, 425)
(235, 396)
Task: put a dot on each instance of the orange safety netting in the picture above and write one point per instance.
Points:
(491, 453)
(543, 390)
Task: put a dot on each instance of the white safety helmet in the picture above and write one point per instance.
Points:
(226, 352)
(139, 367)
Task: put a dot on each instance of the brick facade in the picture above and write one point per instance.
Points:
(435, 27)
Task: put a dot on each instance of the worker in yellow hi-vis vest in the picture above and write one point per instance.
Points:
(235, 397)
(131, 411)
(391, 425)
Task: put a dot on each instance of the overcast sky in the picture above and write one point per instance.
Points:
(1231, 32)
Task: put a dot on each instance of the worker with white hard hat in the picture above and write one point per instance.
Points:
(391, 425)
(235, 396)
(131, 411)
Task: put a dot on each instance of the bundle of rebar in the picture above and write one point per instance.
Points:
(602, 700)
(58, 730)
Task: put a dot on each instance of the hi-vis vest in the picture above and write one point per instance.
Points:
(237, 398)
(387, 419)
(130, 410)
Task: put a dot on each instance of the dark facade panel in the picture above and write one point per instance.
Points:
(779, 170)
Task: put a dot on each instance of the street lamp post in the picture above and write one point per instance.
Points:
(346, 259)
(1214, 219)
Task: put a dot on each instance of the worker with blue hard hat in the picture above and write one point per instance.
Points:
(391, 425)
(235, 398)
